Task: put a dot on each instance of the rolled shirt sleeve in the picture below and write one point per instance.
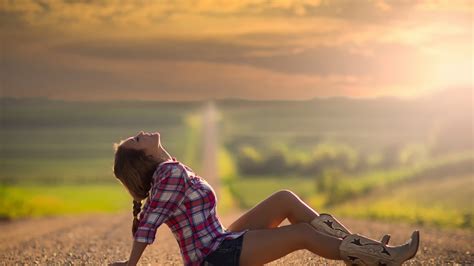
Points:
(166, 196)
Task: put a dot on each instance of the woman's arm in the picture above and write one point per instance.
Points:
(166, 196)
(137, 251)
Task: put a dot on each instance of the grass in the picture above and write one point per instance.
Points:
(44, 155)
(249, 191)
(55, 141)
(421, 195)
(441, 202)
(227, 172)
(57, 157)
(191, 140)
(44, 200)
(344, 188)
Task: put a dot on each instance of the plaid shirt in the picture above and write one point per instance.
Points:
(187, 204)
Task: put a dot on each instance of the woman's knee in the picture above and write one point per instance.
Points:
(286, 195)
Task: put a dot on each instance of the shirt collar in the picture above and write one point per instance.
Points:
(173, 159)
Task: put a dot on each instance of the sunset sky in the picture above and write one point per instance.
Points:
(253, 49)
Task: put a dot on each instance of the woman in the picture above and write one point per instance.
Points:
(175, 195)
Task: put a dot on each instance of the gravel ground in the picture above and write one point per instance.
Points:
(103, 238)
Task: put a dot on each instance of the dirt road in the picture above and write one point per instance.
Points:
(105, 238)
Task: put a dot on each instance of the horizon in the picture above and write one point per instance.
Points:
(343, 97)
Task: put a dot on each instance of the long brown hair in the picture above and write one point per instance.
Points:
(135, 171)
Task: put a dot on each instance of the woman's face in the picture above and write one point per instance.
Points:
(148, 142)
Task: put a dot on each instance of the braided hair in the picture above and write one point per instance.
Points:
(137, 207)
(134, 169)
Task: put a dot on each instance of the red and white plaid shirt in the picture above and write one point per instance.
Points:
(187, 204)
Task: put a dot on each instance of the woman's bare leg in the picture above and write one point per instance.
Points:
(273, 210)
(266, 245)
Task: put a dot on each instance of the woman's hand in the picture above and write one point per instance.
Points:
(137, 251)
(119, 263)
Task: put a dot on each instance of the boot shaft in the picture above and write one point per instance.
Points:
(327, 224)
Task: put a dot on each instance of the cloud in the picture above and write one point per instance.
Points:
(98, 79)
(70, 14)
(253, 48)
(319, 60)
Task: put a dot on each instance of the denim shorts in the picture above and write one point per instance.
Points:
(228, 253)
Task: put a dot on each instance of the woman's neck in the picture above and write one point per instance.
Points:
(162, 155)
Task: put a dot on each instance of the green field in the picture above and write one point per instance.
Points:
(427, 194)
(339, 187)
(57, 156)
(43, 200)
(57, 142)
(442, 202)
(251, 190)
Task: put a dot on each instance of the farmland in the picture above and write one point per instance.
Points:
(331, 152)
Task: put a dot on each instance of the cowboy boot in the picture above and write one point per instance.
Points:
(360, 250)
(329, 225)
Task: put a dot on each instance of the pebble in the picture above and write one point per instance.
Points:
(93, 250)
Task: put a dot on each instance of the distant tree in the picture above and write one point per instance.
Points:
(249, 160)
(332, 155)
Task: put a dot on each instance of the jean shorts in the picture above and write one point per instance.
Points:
(228, 253)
